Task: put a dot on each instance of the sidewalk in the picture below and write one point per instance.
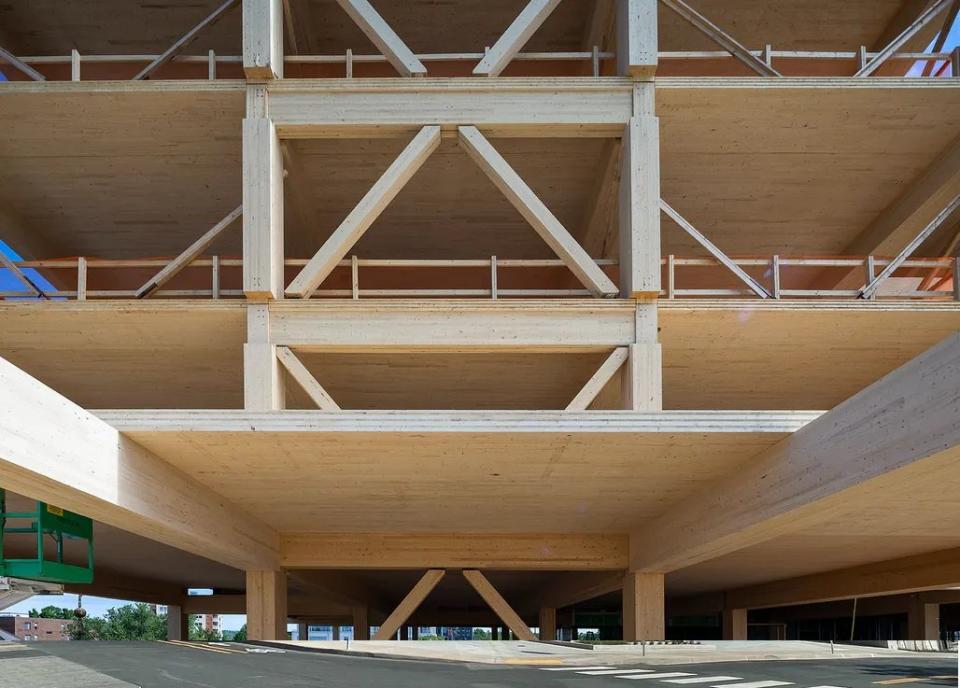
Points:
(549, 654)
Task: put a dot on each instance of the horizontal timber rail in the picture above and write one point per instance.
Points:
(934, 279)
(347, 65)
(576, 63)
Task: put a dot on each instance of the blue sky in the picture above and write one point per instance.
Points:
(953, 39)
(10, 283)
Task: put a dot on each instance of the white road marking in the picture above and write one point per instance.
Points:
(573, 668)
(756, 684)
(826, 686)
(672, 674)
(707, 679)
(616, 672)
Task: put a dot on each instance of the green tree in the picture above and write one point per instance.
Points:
(87, 629)
(130, 622)
(480, 634)
(241, 635)
(51, 612)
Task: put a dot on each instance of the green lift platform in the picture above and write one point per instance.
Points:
(46, 521)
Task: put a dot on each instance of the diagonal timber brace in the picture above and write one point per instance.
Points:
(599, 380)
(185, 40)
(685, 225)
(381, 35)
(522, 197)
(870, 290)
(175, 266)
(306, 380)
(14, 61)
(925, 18)
(515, 37)
(720, 37)
(366, 212)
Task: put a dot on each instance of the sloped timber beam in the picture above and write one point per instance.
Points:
(55, 451)
(903, 219)
(515, 37)
(522, 197)
(176, 266)
(712, 248)
(928, 571)
(17, 63)
(720, 37)
(499, 605)
(384, 37)
(871, 289)
(599, 380)
(902, 426)
(904, 37)
(184, 41)
(318, 395)
(366, 212)
(508, 552)
(409, 604)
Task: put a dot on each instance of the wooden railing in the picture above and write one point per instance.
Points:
(593, 62)
(936, 272)
(356, 278)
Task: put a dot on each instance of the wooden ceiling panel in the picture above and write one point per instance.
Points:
(514, 482)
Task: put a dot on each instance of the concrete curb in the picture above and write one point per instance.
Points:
(354, 653)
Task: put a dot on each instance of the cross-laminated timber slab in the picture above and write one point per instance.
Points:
(511, 471)
(889, 436)
(55, 451)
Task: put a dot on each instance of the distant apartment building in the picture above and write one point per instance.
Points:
(29, 629)
(210, 623)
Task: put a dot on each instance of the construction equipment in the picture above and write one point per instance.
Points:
(46, 521)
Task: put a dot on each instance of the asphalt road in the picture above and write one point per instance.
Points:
(165, 665)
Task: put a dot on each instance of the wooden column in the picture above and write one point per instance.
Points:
(178, 623)
(637, 40)
(263, 381)
(640, 201)
(263, 39)
(262, 202)
(923, 620)
(266, 605)
(641, 387)
(548, 623)
(303, 631)
(361, 624)
(643, 606)
(734, 624)
(335, 631)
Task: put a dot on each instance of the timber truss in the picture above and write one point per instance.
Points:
(497, 169)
